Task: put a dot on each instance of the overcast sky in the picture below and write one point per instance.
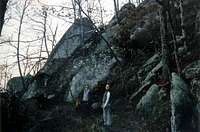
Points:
(7, 53)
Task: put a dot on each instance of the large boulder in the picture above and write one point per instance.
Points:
(195, 84)
(141, 35)
(148, 105)
(181, 106)
(192, 72)
(15, 86)
(154, 109)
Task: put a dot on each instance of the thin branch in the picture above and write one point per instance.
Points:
(99, 33)
(54, 5)
(21, 41)
(18, 42)
(44, 32)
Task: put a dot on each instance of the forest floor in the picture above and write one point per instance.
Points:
(65, 118)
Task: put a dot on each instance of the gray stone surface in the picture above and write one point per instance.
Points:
(148, 66)
(15, 86)
(32, 91)
(87, 65)
(152, 74)
(148, 106)
(181, 105)
(195, 84)
(70, 41)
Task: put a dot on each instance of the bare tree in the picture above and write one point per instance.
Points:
(117, 2)
(25, 6)
(27, 61)
(4, 75)
(3, 5)
(138, 2)
(164, 39)
(53, 34)
(182, 23)
(74, 9)
(172, 31)
(167, 27)
(116, 6)
(101, 11)
(99, 33)
(81, 22)
(45, 30)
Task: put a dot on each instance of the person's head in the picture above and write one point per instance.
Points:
(86, 86)
(107, 86)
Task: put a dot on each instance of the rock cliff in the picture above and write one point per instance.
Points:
(136, 79)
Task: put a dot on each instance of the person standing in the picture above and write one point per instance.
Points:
(86, 93)
(106, 105)
(85, 104)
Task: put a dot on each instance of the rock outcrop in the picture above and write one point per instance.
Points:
(182, 106)
(15, 86)
(153, 108)
(77, 62)
(70, 69)
(148, 104)
(192, 73)
(148, 66)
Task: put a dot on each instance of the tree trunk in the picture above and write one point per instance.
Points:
(164, 40)
(81, 23)
(18, 43)
(116, 6)
(101, 12)
(3, 5)
(74, 9)
(172, 29)
(182, 24)
(44, 33)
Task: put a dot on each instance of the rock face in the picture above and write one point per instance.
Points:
(182, 107)
(195, 84)
(76, 62)
(70, 41)
(148, 104)
(84, 64)
(15, 86)
(192, 72)
(148, 66)
(154, 109)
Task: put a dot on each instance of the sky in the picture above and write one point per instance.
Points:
(31, 30)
